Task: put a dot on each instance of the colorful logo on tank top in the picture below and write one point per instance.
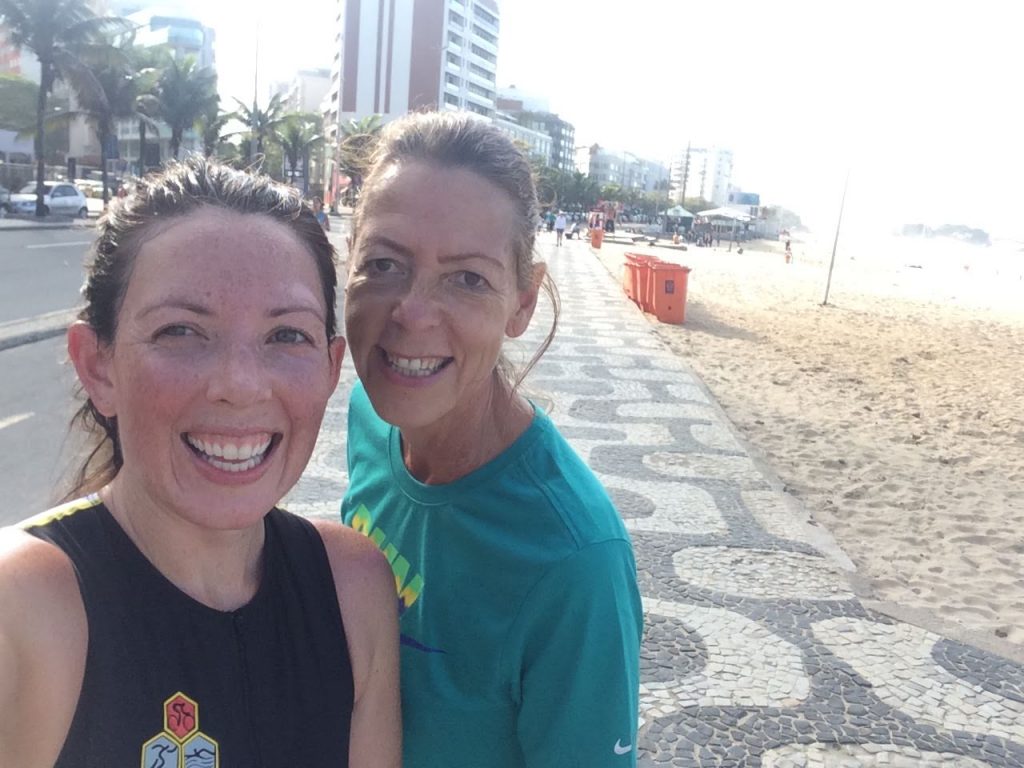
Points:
(181, 744)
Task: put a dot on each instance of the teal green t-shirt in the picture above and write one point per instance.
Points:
(521, 618)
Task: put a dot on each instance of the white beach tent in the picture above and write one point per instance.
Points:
(677, 212)
(725, 213)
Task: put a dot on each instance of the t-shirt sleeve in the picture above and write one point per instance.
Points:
(575, 652)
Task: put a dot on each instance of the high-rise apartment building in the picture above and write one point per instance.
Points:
(306, 91)
(536, 117)
(394, 56)
(705, 172)
(624, 169)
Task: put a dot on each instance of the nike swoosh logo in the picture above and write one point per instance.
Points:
(622, 750)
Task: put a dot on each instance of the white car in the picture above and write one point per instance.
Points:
(60, 197)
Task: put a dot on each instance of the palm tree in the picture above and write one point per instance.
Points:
(186, 91)
(358, 139)
(298, 137)
(211, 127)
(17, 100)
(117, 99)
(261, 123)
(149, 63)
(57, 31)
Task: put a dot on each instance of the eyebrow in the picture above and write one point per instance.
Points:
(204, 311)
(380, 240)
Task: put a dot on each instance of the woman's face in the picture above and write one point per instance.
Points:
(220, 369)
(432, 293)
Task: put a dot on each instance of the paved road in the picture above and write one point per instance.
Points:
(35, 405)
(40, 271)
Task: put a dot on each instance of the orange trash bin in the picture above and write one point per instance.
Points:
(670, 292)
(631, 277)
(645, 281)
(596, 237)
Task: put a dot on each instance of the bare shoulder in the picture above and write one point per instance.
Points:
(34, 573)
(43, 642)
(354, 559)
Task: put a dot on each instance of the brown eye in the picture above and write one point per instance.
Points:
(290, 336)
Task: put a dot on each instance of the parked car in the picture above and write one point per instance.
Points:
(60, 197)
(5, 199)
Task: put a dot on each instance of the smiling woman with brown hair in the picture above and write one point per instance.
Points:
(174, 611)
(521, 617)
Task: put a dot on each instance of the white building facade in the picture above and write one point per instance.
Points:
(306, 91)
(538, 143)
(707, 172)
(394, 56)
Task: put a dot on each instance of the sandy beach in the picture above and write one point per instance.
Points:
(895, 413)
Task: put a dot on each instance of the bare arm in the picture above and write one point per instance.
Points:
(43, 638)
(366, 595)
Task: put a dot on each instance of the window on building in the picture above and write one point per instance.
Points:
(476, 69)
(485, 35)
(480, 110)
(453, 58)
(480, 13)
(452, 79)
(455, 19)
(450, 99)
(480, 91)
(454, 38)
(485, 55)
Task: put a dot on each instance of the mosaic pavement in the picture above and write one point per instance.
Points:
(756, 651)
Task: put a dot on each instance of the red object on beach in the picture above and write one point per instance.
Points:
(631, 277)
(645, 281)
(596, 237)
(670, 282)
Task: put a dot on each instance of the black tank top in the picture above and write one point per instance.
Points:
(171, 683)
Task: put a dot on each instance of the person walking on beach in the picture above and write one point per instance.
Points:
(521, 617)
(559, 228)
(171, 613)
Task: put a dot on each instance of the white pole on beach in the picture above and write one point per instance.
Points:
(832, 264)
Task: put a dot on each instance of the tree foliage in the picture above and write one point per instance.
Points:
(261, 123)
(299, 136)
(355, 147)
(186, 92)
(58, 32)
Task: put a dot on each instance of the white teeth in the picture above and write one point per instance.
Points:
(231, 457)
(416, 366)
(235, 466)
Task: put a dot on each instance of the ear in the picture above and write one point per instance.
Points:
(336, 350)
(520, 320)
(92, 361)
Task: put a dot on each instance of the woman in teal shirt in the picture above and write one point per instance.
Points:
(521, 618)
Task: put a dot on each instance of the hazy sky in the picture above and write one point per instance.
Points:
(920, 100)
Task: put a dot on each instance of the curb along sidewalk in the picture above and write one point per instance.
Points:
(14, 333)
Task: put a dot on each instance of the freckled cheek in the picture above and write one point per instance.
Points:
(164, 381)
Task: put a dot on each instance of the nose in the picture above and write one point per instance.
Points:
(239, 376)
(417, 309)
